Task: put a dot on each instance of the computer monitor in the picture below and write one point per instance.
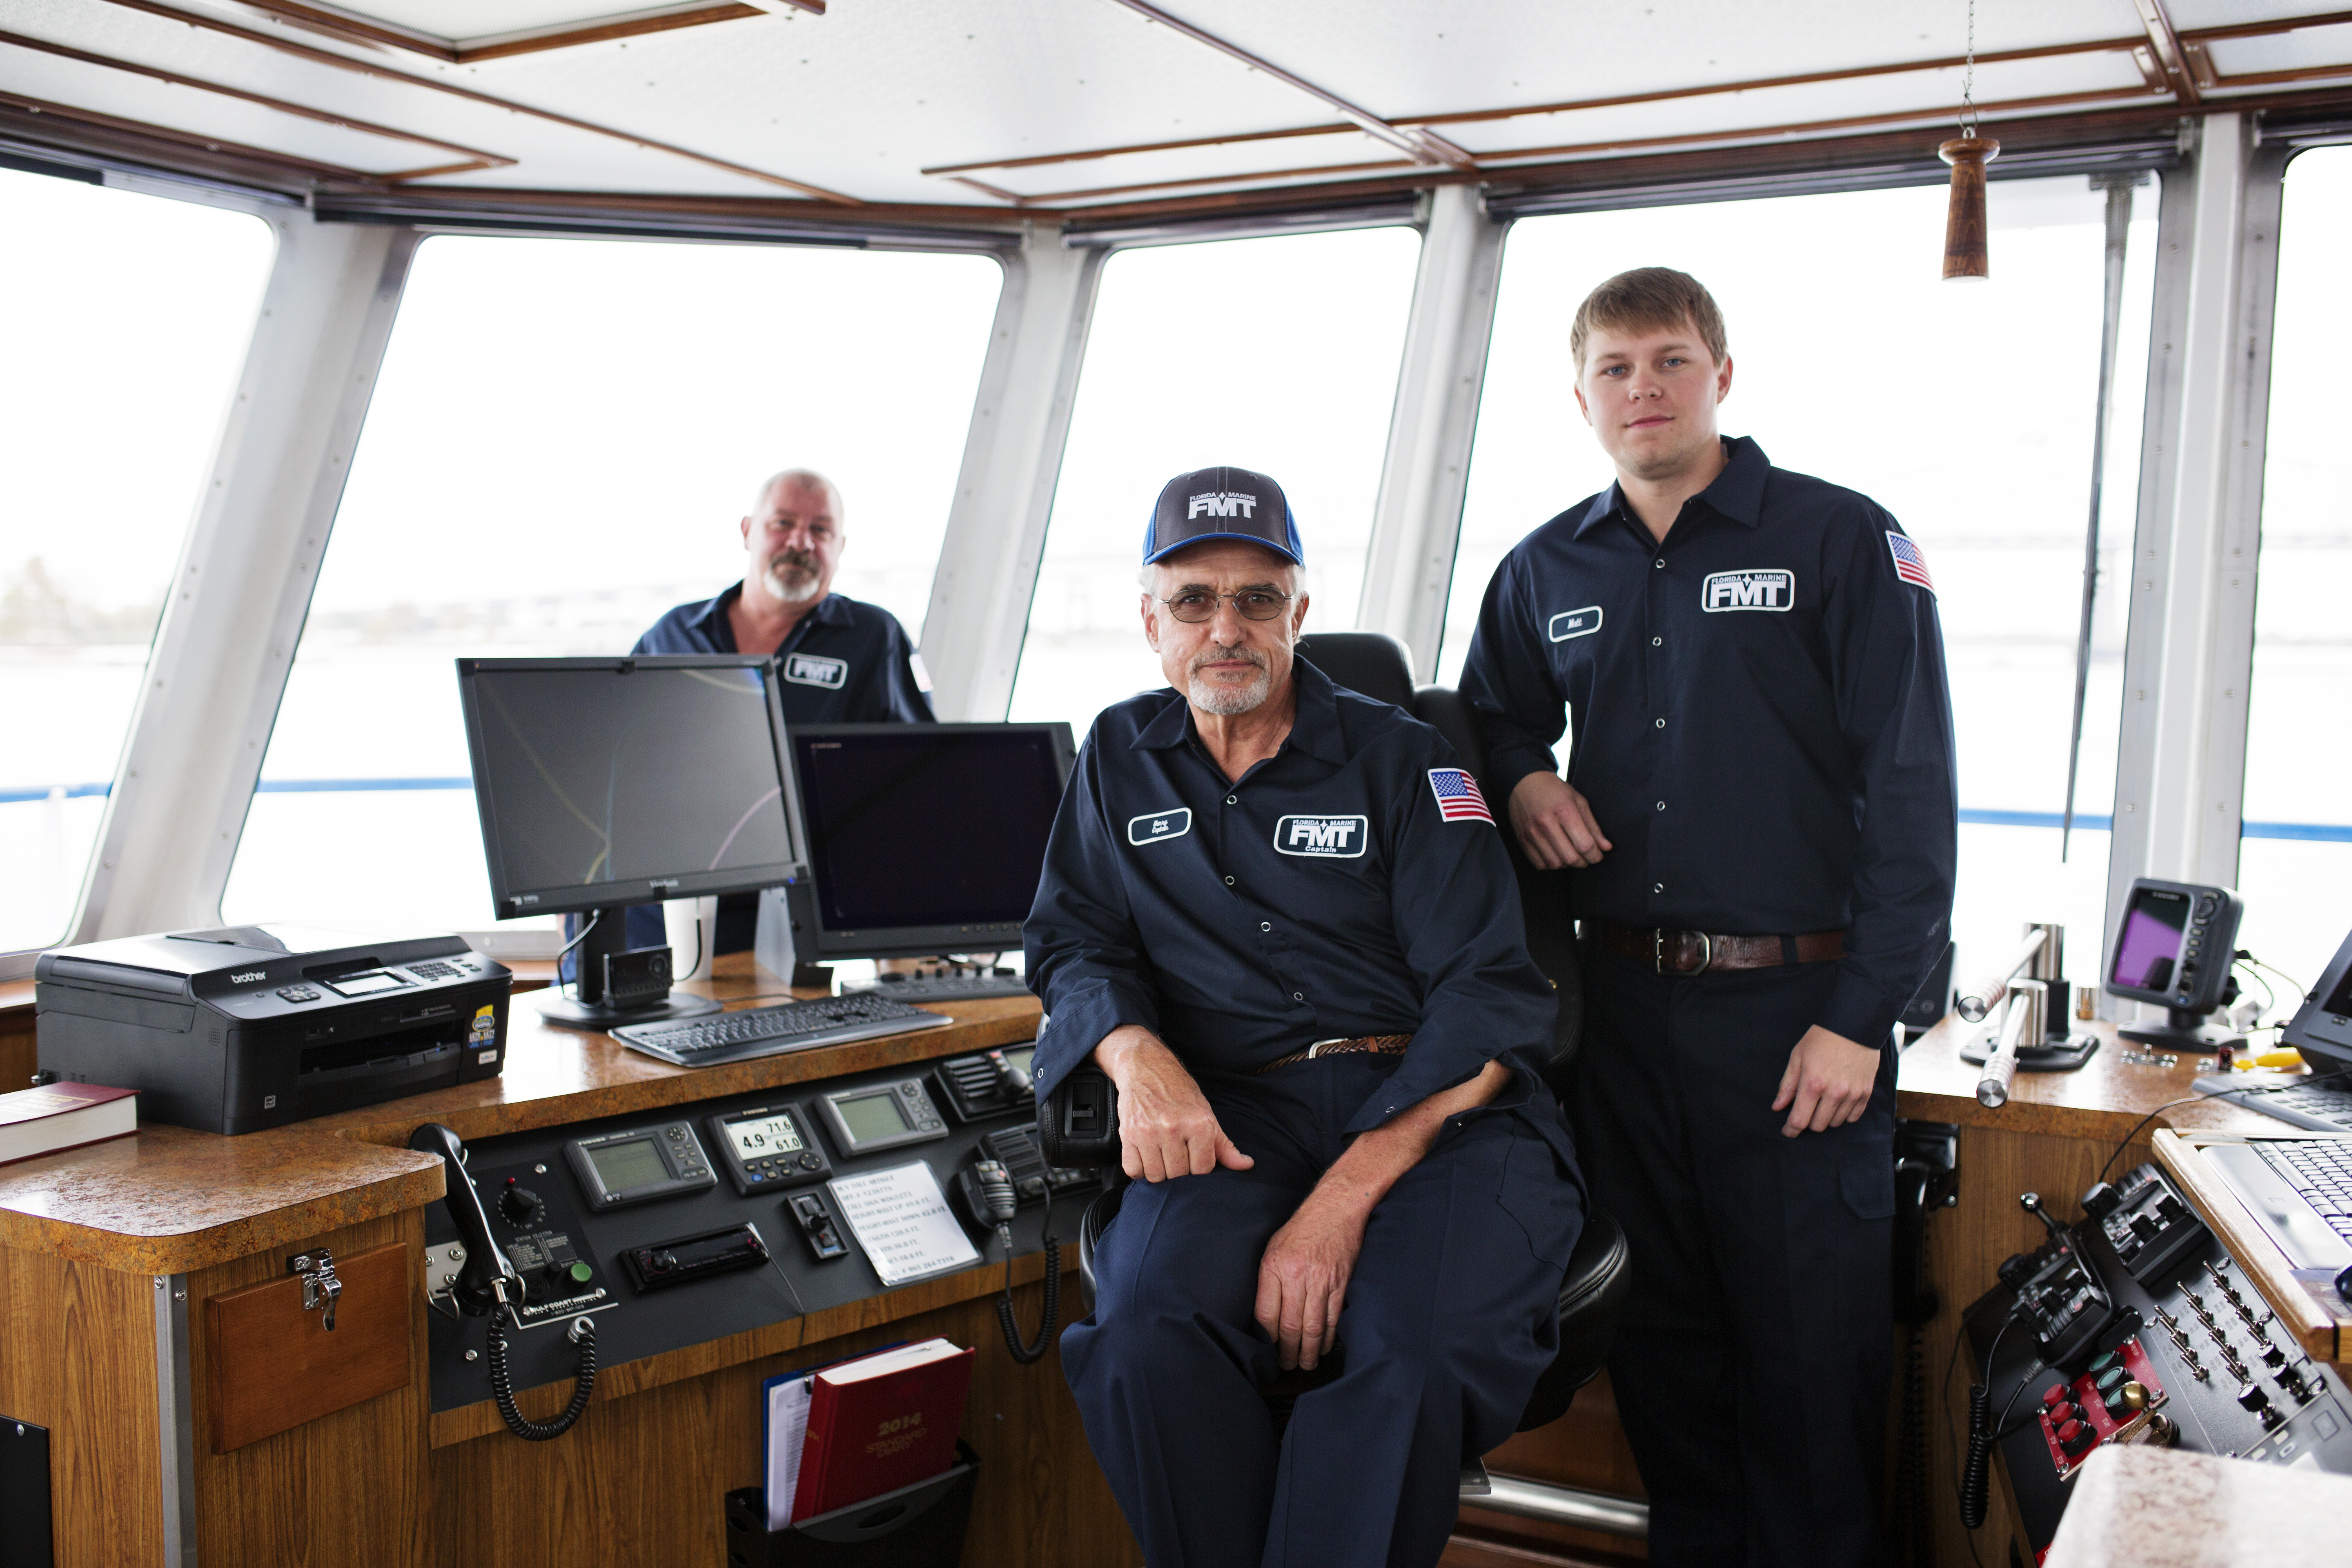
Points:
(604, 783)
(922, 838)
(2174, 951)
(2321, 1028)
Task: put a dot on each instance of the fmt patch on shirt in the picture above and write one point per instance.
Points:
(1338, 837)
(1754, 589)
(1569, 624)
(1458, 799)
(809, 669)
(1154, 826)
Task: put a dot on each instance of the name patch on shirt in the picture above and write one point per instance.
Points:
(1754, 589)
(1154, 826)
(1336, 837)
(808, 669)
(1574, 624)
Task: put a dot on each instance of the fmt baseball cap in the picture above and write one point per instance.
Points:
(1222, 503)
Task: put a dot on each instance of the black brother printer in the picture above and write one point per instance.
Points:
(254, 1026)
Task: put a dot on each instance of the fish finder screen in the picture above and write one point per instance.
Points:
(924, 824)
(622, 1166)
(593, 774)
(2150, 946)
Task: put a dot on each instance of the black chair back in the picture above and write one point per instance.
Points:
(1371, 663)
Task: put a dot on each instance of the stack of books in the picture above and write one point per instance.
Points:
(839, 1434)
(35, 1122)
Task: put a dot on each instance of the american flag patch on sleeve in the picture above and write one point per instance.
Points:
(1909, 565)
(1458, 799)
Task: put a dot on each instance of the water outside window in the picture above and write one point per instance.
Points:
(1966, 410)
(125, 318)
(1275, 354)
(2295, 865)
(564, 438)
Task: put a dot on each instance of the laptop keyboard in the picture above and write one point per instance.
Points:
(2321, 1174)
(770, 1031)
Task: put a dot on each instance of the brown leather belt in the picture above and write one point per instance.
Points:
(1380, 1045)
(1698, 952)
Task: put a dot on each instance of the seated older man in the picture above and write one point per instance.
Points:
(1277, 914)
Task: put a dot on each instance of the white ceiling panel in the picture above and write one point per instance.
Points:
(2062, 75)
(2301, 50)
(1193, 165)
(125, 96)
(489, 18)
(908, 84)
(2189, 15)
(1411, 57)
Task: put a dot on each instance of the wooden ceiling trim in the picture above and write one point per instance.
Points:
(360, 29)
(2279, 79)
(1313, 172)
(2165, 45)
(1421, 146)
(984, 188)
(476, 158)
(368, 68)
(307, 168)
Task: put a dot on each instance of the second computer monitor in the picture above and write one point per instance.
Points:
(922, 838)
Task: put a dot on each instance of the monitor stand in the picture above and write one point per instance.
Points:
(589, 1008)
(2183, 1031)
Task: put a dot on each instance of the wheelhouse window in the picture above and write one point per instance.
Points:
(125, 318)
(1968, 411)
(564, 437)
(1277, 354)
(2295, 862)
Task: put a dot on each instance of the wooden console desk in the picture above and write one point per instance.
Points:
(108, 1255)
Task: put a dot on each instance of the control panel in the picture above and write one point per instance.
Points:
(2141, 1330)
(989, 1084)
(626, 1220)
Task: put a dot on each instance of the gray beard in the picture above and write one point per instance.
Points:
(790, 594)
(1226, 701)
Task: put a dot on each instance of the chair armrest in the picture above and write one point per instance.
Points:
(1077, 1124)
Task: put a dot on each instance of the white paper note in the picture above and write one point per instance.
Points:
(788, 1414)
(901, 1218)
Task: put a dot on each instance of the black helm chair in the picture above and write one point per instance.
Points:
(1078, 1123)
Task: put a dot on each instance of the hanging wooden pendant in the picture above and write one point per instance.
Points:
(1966, 254)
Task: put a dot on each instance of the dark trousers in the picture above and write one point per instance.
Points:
(1450, 1315)
(1752, 1367)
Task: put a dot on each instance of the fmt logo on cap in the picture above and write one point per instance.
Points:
(1340, 837)
(1222, 505)
(1753, 589)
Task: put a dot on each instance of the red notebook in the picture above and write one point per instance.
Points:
(881, 1423)
(35, 1122)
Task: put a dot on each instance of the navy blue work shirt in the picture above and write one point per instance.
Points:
(845, 663)
(1324, 896)
(1762, 725)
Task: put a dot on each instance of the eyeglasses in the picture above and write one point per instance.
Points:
(1198, 605)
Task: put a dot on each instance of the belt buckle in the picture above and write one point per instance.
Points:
(1658, 952)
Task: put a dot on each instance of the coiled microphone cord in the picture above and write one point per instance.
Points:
(583, 1334)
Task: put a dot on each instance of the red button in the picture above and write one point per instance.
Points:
(2062, 1413)
(2054, 1396)
(2075, 1436)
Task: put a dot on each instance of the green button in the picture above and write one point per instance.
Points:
(581, 1273)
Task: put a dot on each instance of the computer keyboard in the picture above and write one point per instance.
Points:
(2319, 1107)
(941, 987)
(736, 1036)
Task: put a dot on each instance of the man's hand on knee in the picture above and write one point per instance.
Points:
(1828, 1083)
(1302, 1280)
(1165, 1126)
(1555, 823)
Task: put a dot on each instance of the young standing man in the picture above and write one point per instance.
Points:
(1760, 804)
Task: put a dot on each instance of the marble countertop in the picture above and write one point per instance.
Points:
(2139, 1507)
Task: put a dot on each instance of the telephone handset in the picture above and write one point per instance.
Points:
(488, 1286)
